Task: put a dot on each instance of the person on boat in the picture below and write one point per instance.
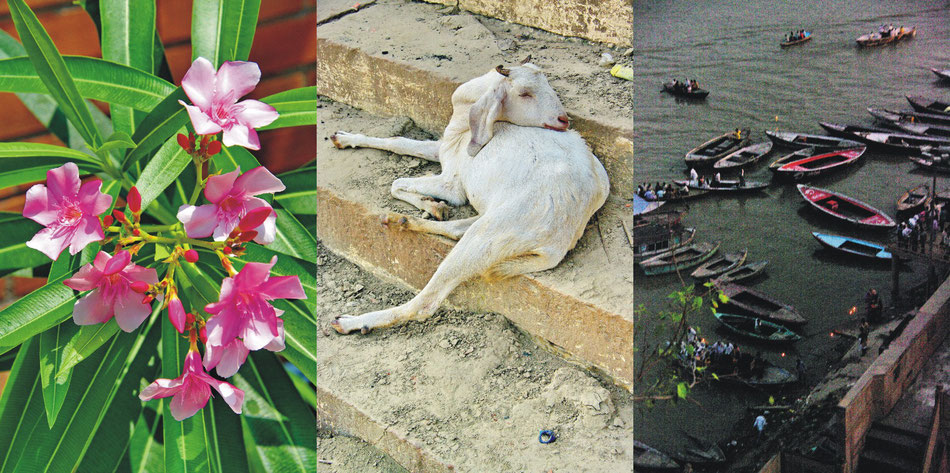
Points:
(759, 426)
(649, 195)
(717, 179)
(693, 176)
(741, 182)
(738, 133)
(863, 334)
(757, 324)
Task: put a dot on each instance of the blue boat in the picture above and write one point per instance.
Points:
(853, 245)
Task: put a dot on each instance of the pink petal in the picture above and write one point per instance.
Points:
(201, 121)
(160, 388)
(282, 287)
(199, 221)
(37, 208)
(213, 354)
(238, 76)
(231, 395)
(91, 201)
(63, 183)
(224, 299)
(240, 135)
(117, 263)
(256, 114)
(219, 186)
(259, 181)
(139, 273)
(49, 242)
(231, 360)
(267, 232)
(100, 260)
(277, 344)
(253, 275)
(86, 279)
(189, 400)
(176, 314)
(257, 334)
(88, 230)
(129, 310)
(92, 309)
(199, 83)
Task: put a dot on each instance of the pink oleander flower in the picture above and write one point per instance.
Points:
(232, 197)
(68, 209)
(227, 359)
(110, 279)
(216, 109)
(243, 311)
(192, 389)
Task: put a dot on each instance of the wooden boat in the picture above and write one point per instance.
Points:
(883, 140)
(701, 453)
(886, 36)
(845, 208)
(645, 456)
(717, 148)
(745, 156)
(771, 376)
(913, 117)
(742, 273)
(848, 131)
(791, 157)
(642, 206)
(804, 38)
(752, 302)
(656, 240)
(802, 140)
(725, 185)
(853, 246)
(914, 199)
(925, 105)
(927, 129)
(820, 163)
(764, 331)
(935, 160)
(943, 74)
(679, 258)
(680, 90)
(717, 266)
(666, 218)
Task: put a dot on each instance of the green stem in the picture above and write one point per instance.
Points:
(199, 183)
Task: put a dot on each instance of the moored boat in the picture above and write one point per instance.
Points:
(845, 208)
(853, 246)
(791, 42)
(901, 143)
(914, 199)
(725, 185)
(820, 163)
(790, 157)
(642, 206)
(848, 131)
(801, 140)
(913, 117)
(744, 156)
(943, 74)
(934, 159)
(679, 258)
(666, 218)
(927, 129)
(655, 240)
(680, 90)
(756, 328)
(749, 301)
(717, 266)
(645, 456)
(717, 148)
(925, 105)
(742, 273)
(886, 35)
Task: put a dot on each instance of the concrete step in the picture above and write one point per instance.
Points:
(397, 58)
(886, 461)
(583, 307)
(460, 392)
(343, 454)
(899, 441)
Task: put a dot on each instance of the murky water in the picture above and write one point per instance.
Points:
(732, 49)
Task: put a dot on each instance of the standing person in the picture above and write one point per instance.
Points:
(759, 425)
(800, 368)
(863, 336)
(741, 178)
(873, 301)
(693, 176)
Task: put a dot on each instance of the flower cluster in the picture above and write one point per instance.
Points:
(74, 215)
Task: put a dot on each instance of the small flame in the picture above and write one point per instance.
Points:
(831, 334)
(783, 354)
(853, 310)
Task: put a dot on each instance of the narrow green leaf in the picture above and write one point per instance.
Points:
(293, 238)
(15, 170)
(161, 171)
(52, 71)
(39, 310)
(15, 231)
(119, 140)
(146, 454)
(223, 30)
(682, 390)
(297, 107)
(300, 334)
(128, 31)
(21, 392)
(232, 157)
(55, 380)
(164, 121)
(300, 196)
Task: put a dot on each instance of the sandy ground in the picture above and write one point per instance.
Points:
(469, 387)
(342, 454)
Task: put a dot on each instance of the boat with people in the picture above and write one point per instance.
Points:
(647, 457)
(756, 328)
(742, 273)
(792, 39)
(744, 156)
(933, 159)
(886, 34)
(736, 364)
(643, 206)
(717, 148)
(914, 199)
(943, 74)
(910, 116)
(820, 163)
(791, 139)
(925, 105)
(689, 89)
(845, 208)
(751, 302)
(853, 246)
(725, 185)
(719, 265)
(652, 240)
(679, 258)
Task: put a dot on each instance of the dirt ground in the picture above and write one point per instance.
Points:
(468, 387)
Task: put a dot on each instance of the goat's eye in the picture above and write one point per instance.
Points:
(525, 94)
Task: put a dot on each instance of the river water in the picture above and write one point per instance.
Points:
(732, 48)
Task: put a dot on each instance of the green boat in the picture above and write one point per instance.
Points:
(680, 258)
(763, 331)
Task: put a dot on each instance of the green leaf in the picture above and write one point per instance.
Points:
(300, 196)
(682, 390)
(95, 79)
(232, 157)
(281, 424)
(293, 238)
(15, 170)
(146, 454)
(163, 122)
(15, 231)
(297, 107)
(52, 71)
(161, 171)
(223, 30)
(55, 380)
(300, 335)
(128, 31)
(22, 390)
(36, 312)
(118, 141)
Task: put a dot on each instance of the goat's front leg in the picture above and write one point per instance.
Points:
(428, 150)
(427, 192)
(453, 229)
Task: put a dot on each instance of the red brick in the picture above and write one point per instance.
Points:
(281, 83)
(284, 44)
(23, 286)
(71, 29)
(173, 17)
(288, 148)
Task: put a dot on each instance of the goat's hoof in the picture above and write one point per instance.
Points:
(365, 330)
(335, 138)
(398, 221)
(437, 209)
(336, 325)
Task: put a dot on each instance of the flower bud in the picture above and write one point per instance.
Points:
(214, 148)
(134, 200)
(140, 287)
(119, 216)
(107, 221)
(148, 299)
(183, 142)
(203, 334)
(226, 250)
(254, 218)
(176, 313)
(191, 256)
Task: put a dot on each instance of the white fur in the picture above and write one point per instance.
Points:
(534, 188)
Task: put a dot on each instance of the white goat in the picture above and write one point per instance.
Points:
(534, 184)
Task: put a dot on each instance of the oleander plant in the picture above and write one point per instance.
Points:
(176, 331)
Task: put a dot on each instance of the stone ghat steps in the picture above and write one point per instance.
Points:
(583, 307)
(396, 58)
(460, 392)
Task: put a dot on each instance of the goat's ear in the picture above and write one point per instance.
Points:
(526, 60)
(483, 114)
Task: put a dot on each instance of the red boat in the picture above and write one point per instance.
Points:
(819, 163)
(845, 208)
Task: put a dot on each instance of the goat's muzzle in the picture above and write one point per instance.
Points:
(563, 124)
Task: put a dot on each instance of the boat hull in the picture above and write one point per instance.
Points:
(845, 208)
(853, 246)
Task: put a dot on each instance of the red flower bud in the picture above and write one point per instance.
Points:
(190, 318)
(226, 250)
(134, 200)
(107, 221)
(136, 232)
(203, 335)
(183, 142)
(214, 148)
(234, 233)
(148, 299)
(191, 256)
(254, 218)
(120, 216)
(248, 236)
(140, 287)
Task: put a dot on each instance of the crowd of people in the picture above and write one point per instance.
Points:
(925, 231)
(719, 357)
(661, 191)
(795, 35)
(688, 85)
